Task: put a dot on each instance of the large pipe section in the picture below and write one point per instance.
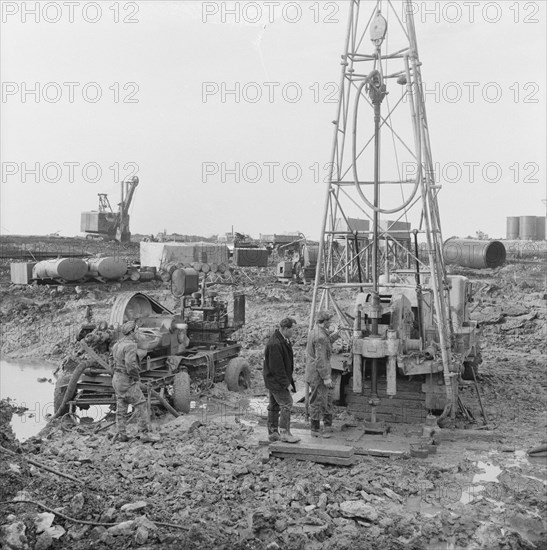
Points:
(474, 253)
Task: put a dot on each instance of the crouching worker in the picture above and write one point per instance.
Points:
(126, 384)
(278, 377)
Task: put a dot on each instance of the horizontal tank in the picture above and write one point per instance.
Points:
(527, 231)
(513, 225)
(107, 268)
(474, 253)
(68, 269)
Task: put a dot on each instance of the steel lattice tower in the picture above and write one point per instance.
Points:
(381, 165)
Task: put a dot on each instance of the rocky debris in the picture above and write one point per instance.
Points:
(43, 521)
(209, 479)
(358, 509)
(7, 410)
(13, 534)
(131, 507)
(205, 476)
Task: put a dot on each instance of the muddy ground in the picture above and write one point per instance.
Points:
(208, 483)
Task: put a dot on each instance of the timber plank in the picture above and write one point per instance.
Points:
(382, 387)
(394, 418)
(378, 452)
(400, 409)
(335, 460)
(388, 405)
(355, 398)
(342, 451)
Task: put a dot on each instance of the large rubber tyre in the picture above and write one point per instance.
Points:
(59, 392)
(238, 375)
(181, 392)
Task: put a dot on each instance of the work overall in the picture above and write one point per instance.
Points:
(126, 384)
(318, 369)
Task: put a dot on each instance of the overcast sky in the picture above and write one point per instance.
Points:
(162, 69)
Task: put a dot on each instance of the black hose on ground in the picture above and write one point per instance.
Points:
(71, 388)
(540, 450)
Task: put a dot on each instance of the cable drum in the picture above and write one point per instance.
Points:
(474, 253)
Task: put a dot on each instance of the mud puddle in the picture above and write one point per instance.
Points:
(247, 410)
(30, 385)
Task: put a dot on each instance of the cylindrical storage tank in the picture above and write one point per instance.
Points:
(540, 228)
(310, 253)
(474, 253)
(513, 224)
(68, 269)
(184, 281)
(108, 268)
(527, 231)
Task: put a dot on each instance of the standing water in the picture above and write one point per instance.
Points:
(19, 382)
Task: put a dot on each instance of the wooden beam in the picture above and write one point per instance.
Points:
(335, 460)
(320, 450)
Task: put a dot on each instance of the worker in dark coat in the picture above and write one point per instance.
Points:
(126, 384)
(278, 377)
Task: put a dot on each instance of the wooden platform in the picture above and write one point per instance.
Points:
(339, 455)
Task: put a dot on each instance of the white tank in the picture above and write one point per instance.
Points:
(107, 268)
(68, 269)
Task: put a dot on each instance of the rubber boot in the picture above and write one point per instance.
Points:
(273, 433)
(327, 432)
(315, 428)
(287, 437)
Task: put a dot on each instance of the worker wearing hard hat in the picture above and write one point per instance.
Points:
(126, 384)
(318, 374)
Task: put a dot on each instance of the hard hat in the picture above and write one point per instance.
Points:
(129, 327)
(323, 315)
